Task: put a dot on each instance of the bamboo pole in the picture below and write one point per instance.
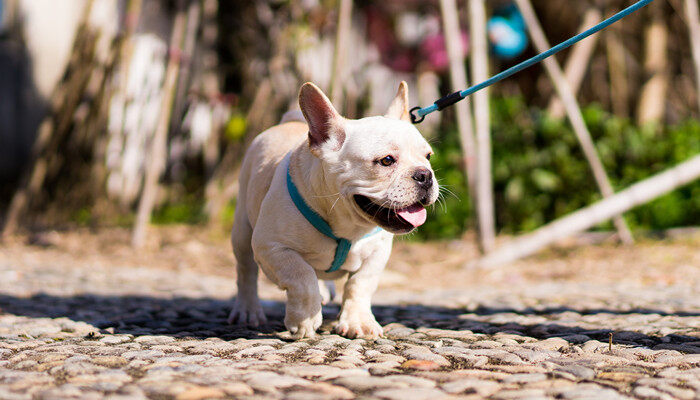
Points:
(210, 84)
(617, 69)
(637, 194)
(428, 85)
(652, 100)
(131, 21)
(183, 82)
(577, 63)
(458, 76)
(156, 159)
(691, 12)
(341, 44)
(480, 72)
(573, 111)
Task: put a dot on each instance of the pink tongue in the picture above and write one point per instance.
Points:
(414, 215)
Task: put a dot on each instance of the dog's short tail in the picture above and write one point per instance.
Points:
(293, 115)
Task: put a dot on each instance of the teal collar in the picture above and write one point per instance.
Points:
(341, 252)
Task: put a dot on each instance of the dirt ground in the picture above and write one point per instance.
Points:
(440, 264)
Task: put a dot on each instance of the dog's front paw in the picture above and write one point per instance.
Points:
(301, 327)
(247, 312)
(358, 324)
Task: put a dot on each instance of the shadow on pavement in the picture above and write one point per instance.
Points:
(206, 317)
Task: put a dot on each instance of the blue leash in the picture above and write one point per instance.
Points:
(343, 247)
(450, 99)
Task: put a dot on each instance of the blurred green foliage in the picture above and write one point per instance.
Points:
(188, 211)
(540, 173)
(227, 214)
(235, 127)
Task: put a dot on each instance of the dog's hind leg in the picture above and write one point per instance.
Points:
(327, 289)
(247, 309)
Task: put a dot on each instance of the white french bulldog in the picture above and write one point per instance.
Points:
(355, 175)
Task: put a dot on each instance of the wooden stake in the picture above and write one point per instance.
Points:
(458, 76)
(639, 193)
(480, 72)
(342, 39)
(573, 111)
(691, 12)
(156, 160)
(577, 63)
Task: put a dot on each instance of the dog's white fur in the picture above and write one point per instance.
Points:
(330, 159)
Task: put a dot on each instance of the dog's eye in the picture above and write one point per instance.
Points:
(387, 161)
(427, 156)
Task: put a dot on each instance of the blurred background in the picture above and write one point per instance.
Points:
(119, 111)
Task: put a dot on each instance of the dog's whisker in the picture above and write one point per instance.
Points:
(444, 189)
(443, 204)
(326, 195)
(384, 205)
(335, 202)
(379, 208)
(439, 201)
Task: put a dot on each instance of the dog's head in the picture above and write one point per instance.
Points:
(379, 165)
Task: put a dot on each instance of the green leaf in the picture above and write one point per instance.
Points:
(545, 180)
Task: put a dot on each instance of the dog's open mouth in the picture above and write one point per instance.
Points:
(399, 220)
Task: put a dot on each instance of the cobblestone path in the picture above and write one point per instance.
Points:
(94, 330)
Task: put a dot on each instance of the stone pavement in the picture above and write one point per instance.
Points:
(92, 330)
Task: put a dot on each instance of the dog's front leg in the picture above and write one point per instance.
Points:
(294, 275)
(356, 318)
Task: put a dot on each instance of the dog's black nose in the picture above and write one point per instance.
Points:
(424, 177)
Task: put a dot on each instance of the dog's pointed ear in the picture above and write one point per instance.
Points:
(399, 106)
(325, 124)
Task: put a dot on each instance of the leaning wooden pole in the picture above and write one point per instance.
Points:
(480, 72)
(617, 70)
(637, 194)
(691, 13)
(342, 39)
(458, 77)
(156, 160)
(653, 99)
(186, 65)
(577, 63)
(131, 22)
(573, 111)
(210, 84)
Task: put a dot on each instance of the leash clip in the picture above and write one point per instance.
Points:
(414, 118)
